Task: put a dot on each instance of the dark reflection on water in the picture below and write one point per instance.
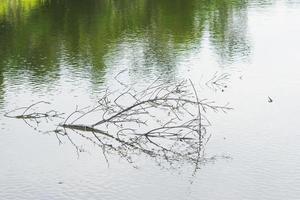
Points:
(38, 37)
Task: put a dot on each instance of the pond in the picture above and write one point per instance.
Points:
(243, 54)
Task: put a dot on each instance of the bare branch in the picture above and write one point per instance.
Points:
(164, 121)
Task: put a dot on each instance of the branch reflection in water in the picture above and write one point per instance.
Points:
(164, 121)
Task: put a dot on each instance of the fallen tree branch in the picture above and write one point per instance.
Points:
(165, 121)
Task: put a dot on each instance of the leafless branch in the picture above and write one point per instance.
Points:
(164, 121)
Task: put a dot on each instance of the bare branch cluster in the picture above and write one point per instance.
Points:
(165, 121)
(30, 114)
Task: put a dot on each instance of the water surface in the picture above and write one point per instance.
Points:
(66, 51)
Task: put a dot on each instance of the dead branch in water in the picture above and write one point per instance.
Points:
(166, 121)
(28, 113)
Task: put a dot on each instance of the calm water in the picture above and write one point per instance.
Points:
(66, 51)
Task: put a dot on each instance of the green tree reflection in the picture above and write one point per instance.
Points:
(40, 36)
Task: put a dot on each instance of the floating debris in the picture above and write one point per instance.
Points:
(270, 100)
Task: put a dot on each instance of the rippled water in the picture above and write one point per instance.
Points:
(66, 51)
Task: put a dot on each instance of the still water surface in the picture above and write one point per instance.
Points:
(66, 51)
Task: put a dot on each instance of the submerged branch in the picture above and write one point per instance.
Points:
(29, 113)
(166, 121)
